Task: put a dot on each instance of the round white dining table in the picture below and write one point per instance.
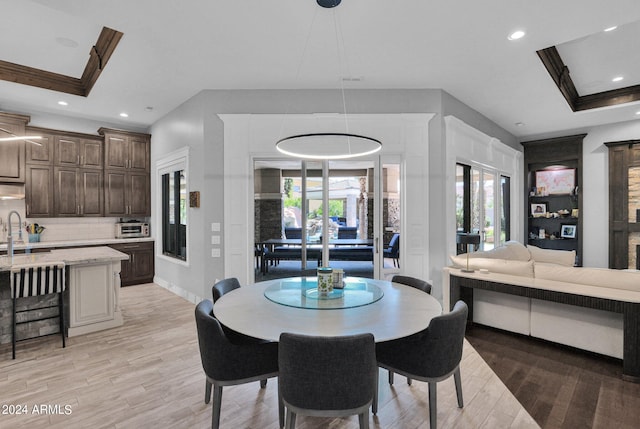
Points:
(401, 311)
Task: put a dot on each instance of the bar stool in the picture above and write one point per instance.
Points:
(34, 280)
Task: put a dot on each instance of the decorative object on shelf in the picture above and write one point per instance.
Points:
(568, 231)
(542, 234)
(329, 145)
(538, 209)
(575, 213)
(468, 239)
(556, 181)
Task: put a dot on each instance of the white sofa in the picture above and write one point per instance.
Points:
(585, 328)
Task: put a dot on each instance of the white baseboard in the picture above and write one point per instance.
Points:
(177, 290)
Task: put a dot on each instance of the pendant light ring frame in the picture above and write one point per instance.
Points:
(328, 145)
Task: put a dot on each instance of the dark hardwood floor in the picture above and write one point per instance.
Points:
(559, 386)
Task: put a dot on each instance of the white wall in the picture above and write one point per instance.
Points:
(184, 127)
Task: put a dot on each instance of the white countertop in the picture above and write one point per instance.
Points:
(78, 256)
(73, 243)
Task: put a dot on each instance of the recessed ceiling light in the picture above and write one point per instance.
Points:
(611, 28)
(519, 124)
(518, 34)
(124, 115)
(617, 79)
(63, 103)
(149, 108)
(638, 112)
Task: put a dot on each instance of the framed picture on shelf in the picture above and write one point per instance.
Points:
(538, 209)
(568, 231)
(556, 182)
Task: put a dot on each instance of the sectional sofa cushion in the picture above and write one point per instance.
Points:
(550, 256)
(602, 277)
(503, 266)
(511, 250)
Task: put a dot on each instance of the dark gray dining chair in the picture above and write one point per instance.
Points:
(431, 355)
(217, 291)
(224, 286)
(327, 376)
(228, 364)
(413, 282)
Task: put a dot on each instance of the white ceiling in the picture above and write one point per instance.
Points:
(171, 50)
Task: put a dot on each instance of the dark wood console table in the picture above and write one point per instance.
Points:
(462, 288)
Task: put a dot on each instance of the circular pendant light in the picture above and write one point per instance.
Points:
(328, 145)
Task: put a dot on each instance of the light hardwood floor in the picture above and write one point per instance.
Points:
(147, 374)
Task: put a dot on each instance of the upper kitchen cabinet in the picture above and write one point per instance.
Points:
(41, 150)
(12, 153)
(76, 151)
(125, 150)
(126, 171)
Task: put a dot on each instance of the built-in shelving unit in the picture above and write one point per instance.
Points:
(553, 174)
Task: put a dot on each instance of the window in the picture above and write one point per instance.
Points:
(174, 214)
(172, 183)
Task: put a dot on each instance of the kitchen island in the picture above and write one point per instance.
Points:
(91, 297)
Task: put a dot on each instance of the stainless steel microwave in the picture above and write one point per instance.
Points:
(132, 229)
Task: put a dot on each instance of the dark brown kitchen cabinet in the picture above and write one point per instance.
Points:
(125, 150)
(39, 151)
(78, 192)
(39, 190)
(12, 153)
(127, 194)
(71, 151)
(140, 266)
(127, 190)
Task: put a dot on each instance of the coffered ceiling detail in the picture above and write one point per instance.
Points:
(98, 58)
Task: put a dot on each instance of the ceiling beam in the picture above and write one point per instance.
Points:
(40, 78)
(559, 72)
(98, 58)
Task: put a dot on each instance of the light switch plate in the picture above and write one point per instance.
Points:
(215, 239)
(215, 226)
(215, 253)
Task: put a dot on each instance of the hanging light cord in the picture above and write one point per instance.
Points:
(340, 37)
(297, 76)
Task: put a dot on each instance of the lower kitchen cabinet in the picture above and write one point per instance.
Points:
(140, 267)
(93, 297)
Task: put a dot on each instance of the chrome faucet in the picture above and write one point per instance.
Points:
(10, 235)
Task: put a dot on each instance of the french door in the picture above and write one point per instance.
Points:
(361, 195)
(483, 204)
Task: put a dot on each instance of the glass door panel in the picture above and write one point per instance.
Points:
(289, 203)
(391, 209)
(488, 205)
